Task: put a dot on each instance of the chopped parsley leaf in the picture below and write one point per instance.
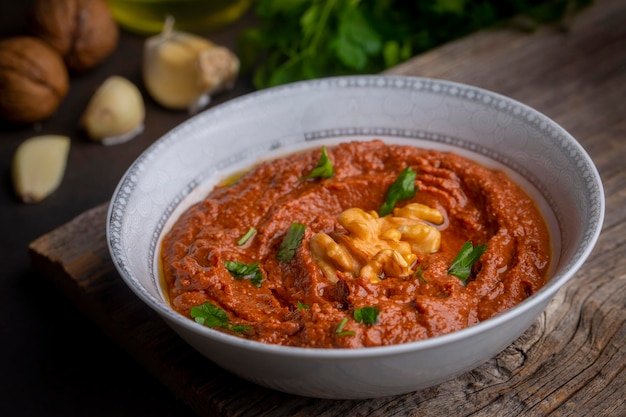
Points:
(302, 306)
(291, 242)
(212, 316)
(324, 168)
(401, 189)
(461, 266)
(239, 328)
(366, 315)
(239, 270)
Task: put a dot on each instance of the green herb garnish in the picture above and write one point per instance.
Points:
(366, 315)
(420, 274)
(324, 168)
(340, 326)
(291, 242)
(251, 232)
(302, 306)
(461, 266)
(239, 270)
(212, 316)
(401, 189)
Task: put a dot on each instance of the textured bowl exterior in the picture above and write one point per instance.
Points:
(367, 373)
(181, 167)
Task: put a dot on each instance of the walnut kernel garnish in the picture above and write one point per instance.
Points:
(376, 247)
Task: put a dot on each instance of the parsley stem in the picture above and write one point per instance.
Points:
(251, 231)
(341, 325)
(321, 24)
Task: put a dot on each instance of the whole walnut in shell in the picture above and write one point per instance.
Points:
(33, 79)
(83, 31)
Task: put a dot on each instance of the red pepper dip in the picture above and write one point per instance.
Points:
(350, 275)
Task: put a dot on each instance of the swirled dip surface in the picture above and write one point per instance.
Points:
(298, 305)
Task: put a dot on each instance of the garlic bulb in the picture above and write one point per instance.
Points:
(115, 113)
(39, 165)
(182, 70)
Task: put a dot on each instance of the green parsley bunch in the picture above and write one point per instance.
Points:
(304, 39)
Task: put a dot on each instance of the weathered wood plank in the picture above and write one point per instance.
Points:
(570, 362)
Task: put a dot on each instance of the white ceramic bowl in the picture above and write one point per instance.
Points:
(181, 167)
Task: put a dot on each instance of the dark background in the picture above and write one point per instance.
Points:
(54, 361)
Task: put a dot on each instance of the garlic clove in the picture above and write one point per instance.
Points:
(182, 70)
(39, 165)
(115, 114)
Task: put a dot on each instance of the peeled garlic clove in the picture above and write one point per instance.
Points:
(115, 114)
(39, 165)
(182, 70)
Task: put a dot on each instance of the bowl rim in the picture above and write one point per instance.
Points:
(544, 295)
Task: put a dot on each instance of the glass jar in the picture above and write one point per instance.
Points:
(147, 17)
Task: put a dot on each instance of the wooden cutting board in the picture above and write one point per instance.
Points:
(570, 362)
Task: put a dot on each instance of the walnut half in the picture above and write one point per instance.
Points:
(377, 247)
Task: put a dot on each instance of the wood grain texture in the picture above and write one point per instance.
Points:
(569, 363)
